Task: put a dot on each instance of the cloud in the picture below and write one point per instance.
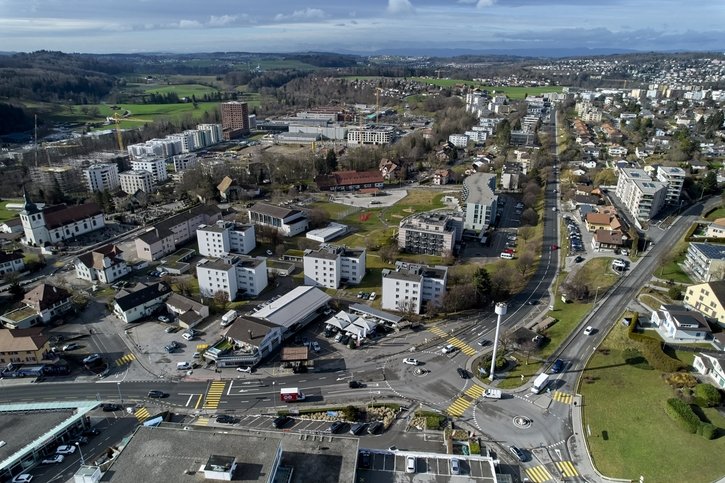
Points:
(188, 24)
(221, 21)
(306, 14)
(400, 6)
(485, 3)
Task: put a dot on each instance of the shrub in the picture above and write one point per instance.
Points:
(351, 413)
(682, 413)
(707, 395)
(475, 447)
(708, 431)
(652, 351)
(434, 422)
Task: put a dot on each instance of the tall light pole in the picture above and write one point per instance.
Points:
(120, 398)
(83, 461)
(595, 297)
(501, 308)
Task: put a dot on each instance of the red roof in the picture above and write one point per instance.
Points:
(349, 178)
(59, 215)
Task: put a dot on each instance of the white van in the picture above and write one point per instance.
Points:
(183, 366)
(507, 256)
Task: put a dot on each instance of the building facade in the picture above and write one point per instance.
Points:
(155, 166)
(409, 286)
(674, 179)
(232, 275)
(140, 301)
(136, 180)
(102, 177)
(369, 136)
(11, 262)
(642, 196)
(225, 237)
(235, 116)
(706, 261)
(330, 266)
(708, 299)
(480, 201)
(289, 222)
(105, 264)
(431, 233)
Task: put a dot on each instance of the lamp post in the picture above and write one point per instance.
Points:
(120, 397)
(83, 461)
(501, 308)
(595, 297)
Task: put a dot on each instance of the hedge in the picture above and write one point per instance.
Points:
(707, 395)
(709, 431)
(652, 351)
(682, 413)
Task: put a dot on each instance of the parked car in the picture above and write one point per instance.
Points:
(315, 346)
(364, 459)
(455, 466)
(183, 366)
(338, 337)
(358, 428)
(71, 347)
(51, 460)
(157, 394)
(336, 426)
(375, 427)
(410, 464)
(578, 259)
(345, 339)
(91, 358)
(171, 329)
(164, 319)
(65, 449)
(518, 453)
(22, 478)
(373, 296)
(109, 407)
(411, 361)
(187, 336)
(462, 372)
(281, 421)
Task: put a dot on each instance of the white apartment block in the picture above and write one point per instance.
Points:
(212, 133)
(102, 177)
(182, 162)
(289, 222)
(330, 266)
(643, 197)
(365, 136)
(458, 140)
(433, 233)
(157, 168)
(232, 275)
(163, 148)
(135, 180)
(480, 201)
(406, 288)
(477, 135)
(225, 237)
(674, 178)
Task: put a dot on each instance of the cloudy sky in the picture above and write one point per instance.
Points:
(358, 25)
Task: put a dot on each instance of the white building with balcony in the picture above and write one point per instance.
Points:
(409, 286)
(233, 276)
(135, 180)
(225, 237)
(101, 177)
(329, 266)
(157, 167)
(642, 196)
(674, 178)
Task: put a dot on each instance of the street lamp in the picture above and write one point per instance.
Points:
(120, 398)
(595, 297)
(501, 308)
(83, 461)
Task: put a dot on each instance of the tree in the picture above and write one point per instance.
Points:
(221, 300)
(526, 232)
(330, 161)
(708, 395)
(524, 262)
(389, 252)
(318, 217)
(481, 283)
(529, 217)
(184, 286)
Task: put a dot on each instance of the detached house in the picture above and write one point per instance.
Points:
(28, 346)
(713, 367)
(140, 301)
(676, 323)
(608, 240)
(708, 299)
(104, 264)
(42, 304)
(11, 262)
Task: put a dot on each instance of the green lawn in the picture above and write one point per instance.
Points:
(718, 213)
(568, 316)
(182, 90)
(672, 271)
(6, 214)
(512, 92)
(140, 113)
(630, 433)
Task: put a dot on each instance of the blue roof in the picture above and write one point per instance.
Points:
(711, 251)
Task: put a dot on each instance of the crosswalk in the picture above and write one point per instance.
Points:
(454, 341)
(142, 414)
(540, 474)
(461, 404)
(563, 397)
(202, 421)
(125, 359)
(567, 469)
(214, 394)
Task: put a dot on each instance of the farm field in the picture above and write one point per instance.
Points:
(512, 92)
(140, 113)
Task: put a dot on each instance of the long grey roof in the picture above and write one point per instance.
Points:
(479, 188)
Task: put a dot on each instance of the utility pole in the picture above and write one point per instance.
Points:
(501, 309)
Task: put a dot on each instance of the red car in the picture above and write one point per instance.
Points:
(554, 247)
(508, 250)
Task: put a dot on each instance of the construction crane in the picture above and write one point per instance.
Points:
(377, 104)
(119, 137)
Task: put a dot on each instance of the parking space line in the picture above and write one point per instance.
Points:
(198, 402)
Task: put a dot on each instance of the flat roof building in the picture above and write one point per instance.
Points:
(225, 237)
(409, 286)
(478, 195)
(233, 276)
(432, 233)
(289, 222)
(642, 196)
(330, 266)
(295, 308)
(102, 177)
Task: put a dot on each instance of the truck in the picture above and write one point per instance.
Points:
(291, 394)
(492, 393)
(540, 383)
(229, 317)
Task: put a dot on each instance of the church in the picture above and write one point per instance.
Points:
(53, 224)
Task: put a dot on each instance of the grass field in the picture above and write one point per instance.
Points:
(6, 214)
(630, 433)
(718, 213)
(140, 113)
(182, 90)
(512, 92)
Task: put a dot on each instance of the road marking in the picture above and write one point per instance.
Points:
(202, 422)
(125, 359)
(214, 394)
(198, 401)
(539, 474)
(563, 397)
(567, 469)
(458, 407)
(142, 414)
(475, 391)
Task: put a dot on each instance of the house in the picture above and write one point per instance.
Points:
(251, 338)
(388, 169)
(406, 288)
(706, 261)
(608, 240)
(350, 180)
(140, 301)
(602, 221)
(712, 367)
(104, 264)
(288, 222)
(233, 276)
(441, 177)
(11, 262)
(716, 229)
(329, 266)
(189, 312)
(27, 346)
(707, 298)
(41, 304)
(230, 190)
(675, 323)
(14, 225)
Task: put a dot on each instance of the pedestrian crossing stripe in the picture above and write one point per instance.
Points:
(202, 422)
(458, 407)
(126, 359)
(474, 391)
(563, 397)
(454, 341)
(214, 394)
(438, 332)
(567, 469)
(142, 414)
(539, 474)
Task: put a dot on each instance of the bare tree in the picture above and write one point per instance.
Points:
(524, 262)
(526, 232)
(529, 217)
(221, 300)
(184, 286)
(389, 252)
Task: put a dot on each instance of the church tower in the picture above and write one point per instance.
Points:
(33, 222)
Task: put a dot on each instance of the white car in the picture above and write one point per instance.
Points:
(70, 347)
(183, 366)
(248, 369)
(91, 358)
(373, 296)
(410, 361)
(187, 336)
(65, 449)
(410, 464)
(56, 458)
(315, 346)
(22, 478)
(588, 330)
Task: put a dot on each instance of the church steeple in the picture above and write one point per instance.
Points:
(28, 207)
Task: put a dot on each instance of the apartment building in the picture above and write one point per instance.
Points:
(716, 229)
(433, 233)
(105, 264)
(642, 196)
(708, 299)
(458, 140)
(288, 221)
(706, 261)
(480, 201)
(225, 237)
(28, 346)
(155, 166)
(11, 262)
(235, 117)
(233, 275)
(330, 266)
(369, 136)
(410, 286)
(674, 179)
(136, 180)
(102, 177)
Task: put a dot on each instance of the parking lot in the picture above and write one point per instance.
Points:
(428, 467)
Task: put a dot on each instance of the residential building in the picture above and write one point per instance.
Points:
(716, 229)
(673, 178)
(40, 305)
(104, 264)
(510, 174)
(369, 136)
(643, 197)
(251, 339)
(706, 261)
(25, 346)
(441, 177)
(480, 200)
(608, 240)
(163, 237)
(235, 117)
(54, 224)
(233, 275)
(458, 140)
(432, 233)
(225, 237)
(188, 312)
(102, 177)
(602, 221)
(675, 323)
(288, 221)
(11, 262)
(410, 286)
(330, 266)
(13, 225)
(136, 180)
(708, 299)
(213, 133)
(182, 162)
(712, 367)
(350, 180)
(388, 168)
(140, 301)
(155, 166)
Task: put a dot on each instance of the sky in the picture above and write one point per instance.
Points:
(367, 26)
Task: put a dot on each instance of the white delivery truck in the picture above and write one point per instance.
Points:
(492, 393)
(540, 383)
(229, 317)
